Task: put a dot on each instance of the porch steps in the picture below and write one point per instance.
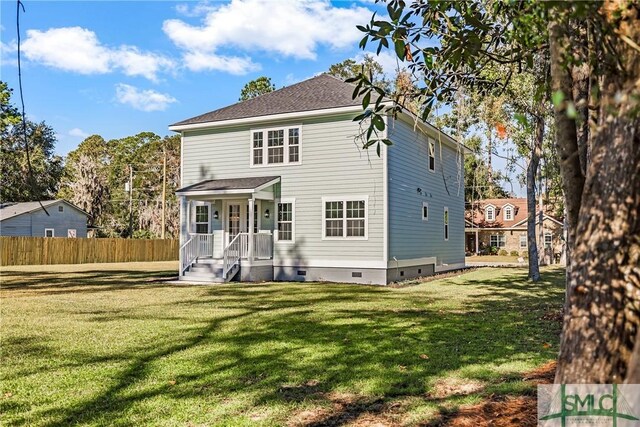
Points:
(208, 270)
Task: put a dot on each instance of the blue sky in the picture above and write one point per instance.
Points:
(119, 68)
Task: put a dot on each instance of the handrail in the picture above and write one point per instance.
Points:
(188, 254)
(231, 255)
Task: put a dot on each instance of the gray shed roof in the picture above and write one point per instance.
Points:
(9, 210)
(317, 93)
(236, 184)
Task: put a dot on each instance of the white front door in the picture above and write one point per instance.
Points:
(233, 223)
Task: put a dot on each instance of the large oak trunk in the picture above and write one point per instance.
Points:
(603, 309)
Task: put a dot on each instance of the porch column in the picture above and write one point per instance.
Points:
(477, 244)
(184, 220)
(252, 202)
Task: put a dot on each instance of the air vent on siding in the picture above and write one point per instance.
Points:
(356, 274)
(302, 272)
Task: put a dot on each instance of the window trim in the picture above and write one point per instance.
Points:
(194, 217)
(53, 232)
(493, 213)
(345, 199)
(425, 205)
(504, 212)
(431, 143)
(526, 242)
(75, 231)
(276, 222)
(265, 146)
(445, 223)
(544, 240)
(60, 208)
(504, 240)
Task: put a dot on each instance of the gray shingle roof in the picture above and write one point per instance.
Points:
(228, 184)
(318, 93)
(9, 210)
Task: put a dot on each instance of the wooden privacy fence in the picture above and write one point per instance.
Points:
(53, 250)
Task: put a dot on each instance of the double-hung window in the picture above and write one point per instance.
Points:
(497, 240)
(344, 218)
(446, 223)
(276, 146)
(432, 155)
(202, 219)
(523, 241)
(548, 240)
(286, 218)
(508, 213)
(490, 214)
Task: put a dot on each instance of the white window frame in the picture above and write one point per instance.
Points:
(276, 233)
(499, 238)
(265, 146)
(431, 149)
(53, 232)
(425, 205)
(195, 217)
(548, 235)
(60, 208)
(506, 209)
(445, 222)
(344, 200)
(72, 231)
(491, 209)
(526, 243)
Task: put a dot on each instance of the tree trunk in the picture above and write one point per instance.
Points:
(601, 322)
(532, 173)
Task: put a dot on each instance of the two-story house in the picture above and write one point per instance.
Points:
(492, 225)
(278, 187)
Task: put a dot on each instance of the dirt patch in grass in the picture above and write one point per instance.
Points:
(503, 411)
(495, 410)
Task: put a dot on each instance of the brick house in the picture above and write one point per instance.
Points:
(502, 224)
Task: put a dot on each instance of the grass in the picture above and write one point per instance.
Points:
(115, 345)
(494, 258)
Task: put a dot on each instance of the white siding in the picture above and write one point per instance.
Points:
(331, 165)
(409, 236)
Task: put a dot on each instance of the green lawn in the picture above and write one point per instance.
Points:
(117, 346)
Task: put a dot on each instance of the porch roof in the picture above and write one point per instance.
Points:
(229, 186)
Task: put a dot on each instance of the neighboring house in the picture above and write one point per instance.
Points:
(61, 219)
(502, 223)
(279, 188)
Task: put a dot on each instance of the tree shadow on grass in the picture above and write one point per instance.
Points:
(296, 345)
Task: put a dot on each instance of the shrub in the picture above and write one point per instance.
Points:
(514, 253)
(493, 250)
(525, 254)
(503, 252)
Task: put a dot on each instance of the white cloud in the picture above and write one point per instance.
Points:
(7, 53)
(78, 133)
(78, 50)
(290, 28)
(144, 100)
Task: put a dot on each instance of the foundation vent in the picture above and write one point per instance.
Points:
(356, 274)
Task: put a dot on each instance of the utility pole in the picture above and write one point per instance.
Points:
(164, 189)
(130, 201)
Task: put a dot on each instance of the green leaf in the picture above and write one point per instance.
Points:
(571, 111)
(399, 45)
(365, 100)
(378, 122)
(557, 98)
(378, 149)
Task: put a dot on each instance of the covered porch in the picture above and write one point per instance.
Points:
(226, 225)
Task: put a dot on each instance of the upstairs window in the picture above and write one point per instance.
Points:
(490, 214)
(446, 223)
(432, 155)
(278, 146)
(508, 213)
(60, 208)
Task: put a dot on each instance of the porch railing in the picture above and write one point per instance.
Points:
(262, 245)
(231, 255)
(188, 254)
(205, 244)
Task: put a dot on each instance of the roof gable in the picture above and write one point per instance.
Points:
(318, 93)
